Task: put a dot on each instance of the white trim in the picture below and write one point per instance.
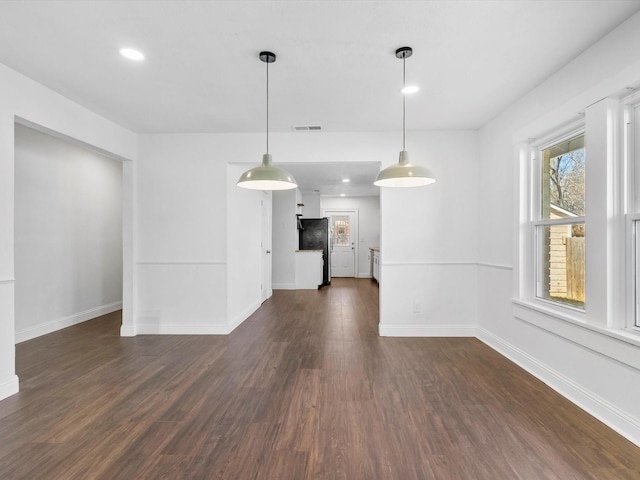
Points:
(9, 386)
(182, 329)
(558, 221)
(128, 331)
(429, 264)
(622, 346)
(242, 316)
(495, 265)
(620, 421)
(356, 240)
(283, 286)
(196, 262)
(7, 281)
(364, 275)
(527, 197)
(631, 184)
(633, 275)
(447, 264)
(189, 329)
(64, 322)
(427, 330)
(616, 222)
(571, 128)
(522, 241)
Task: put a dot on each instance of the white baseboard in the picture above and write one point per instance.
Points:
(148, 323)
(283, 286)
(427, 330)
(60, 323)
(238, 319)
(181, 329)
(9, 386)
(610, 415)
(128, 331)
(363, 275)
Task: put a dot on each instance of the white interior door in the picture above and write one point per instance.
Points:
(344, 228)
(266, 246)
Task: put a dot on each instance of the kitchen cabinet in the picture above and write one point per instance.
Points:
(309, 266)
(374, 253)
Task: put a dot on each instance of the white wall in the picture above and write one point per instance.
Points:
(185, 195)
(68, 234)
(284, 240)
(607, 388)
(368, 225)
(182, 247)
(8, 378)
(311, 207)
(244, 260)
(31, 103)
(198, 271)
(429, 241)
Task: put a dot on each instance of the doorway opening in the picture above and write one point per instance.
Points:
(343, 252)
(68, 236)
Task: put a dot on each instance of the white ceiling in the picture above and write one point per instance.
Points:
(326, 178)
(336, 65)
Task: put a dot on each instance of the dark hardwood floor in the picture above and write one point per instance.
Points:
(304, 389)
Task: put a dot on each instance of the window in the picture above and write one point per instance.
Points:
(579, 225)
(577, 270)
(636, 272)
(560, 226)
(341, 230)
(632, 144)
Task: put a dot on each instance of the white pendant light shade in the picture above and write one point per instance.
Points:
(404, 174)
(267, 177)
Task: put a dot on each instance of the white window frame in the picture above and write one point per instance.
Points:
(632, 209)
(530, 200)
(633, 293)
(604, 326)
(570, 131)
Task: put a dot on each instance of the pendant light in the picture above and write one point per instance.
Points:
(403, 173)
(266, 176)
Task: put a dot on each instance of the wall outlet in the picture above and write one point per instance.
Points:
(417, 307)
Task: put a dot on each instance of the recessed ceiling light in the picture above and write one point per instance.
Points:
(409, 89)
(346, 180)
(343, 194)
(132, 54)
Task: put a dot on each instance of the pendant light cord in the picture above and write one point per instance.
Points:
(267, 107)
(404, 95)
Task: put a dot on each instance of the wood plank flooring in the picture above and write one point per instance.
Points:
(304, 389)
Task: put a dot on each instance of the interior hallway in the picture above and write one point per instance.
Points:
(305, 388)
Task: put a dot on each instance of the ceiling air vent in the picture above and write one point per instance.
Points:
(307, 128)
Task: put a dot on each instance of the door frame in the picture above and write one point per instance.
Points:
(356, 234)
(266, 244)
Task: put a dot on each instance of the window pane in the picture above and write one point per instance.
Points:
(561, 263)
(635, 154)
(563, 167)
(636, 229)
(341, 230)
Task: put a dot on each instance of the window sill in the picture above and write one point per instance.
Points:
(620, 345)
